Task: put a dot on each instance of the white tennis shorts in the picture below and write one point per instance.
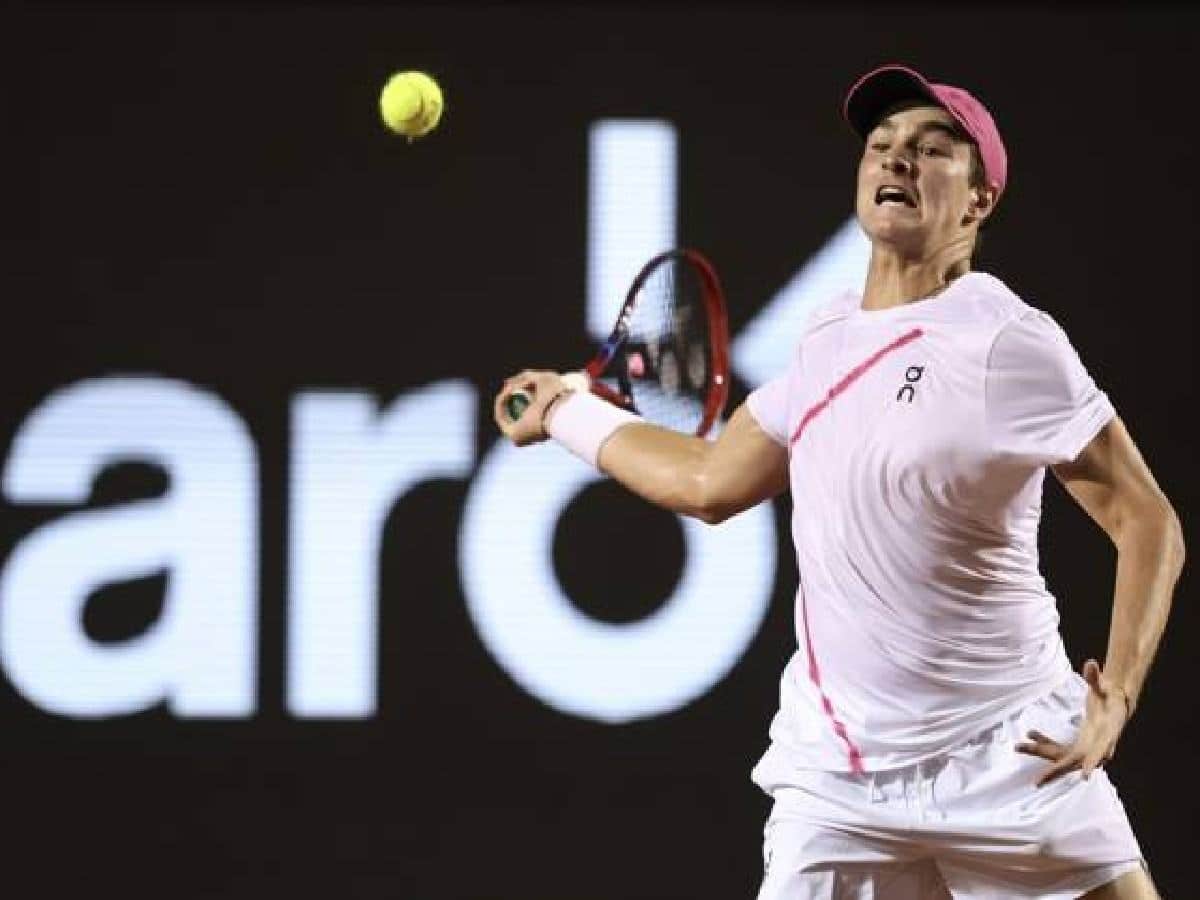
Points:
(970, 823)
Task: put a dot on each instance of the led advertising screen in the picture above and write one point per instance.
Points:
(281, 614)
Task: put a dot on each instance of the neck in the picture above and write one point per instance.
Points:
(894, 279)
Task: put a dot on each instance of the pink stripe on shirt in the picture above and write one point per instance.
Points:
(849, 379)
(814, 670)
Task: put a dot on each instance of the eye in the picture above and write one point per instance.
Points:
(879, 146)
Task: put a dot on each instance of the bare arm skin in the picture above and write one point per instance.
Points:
(708, 480)
(1111, 481)
(1113, 484)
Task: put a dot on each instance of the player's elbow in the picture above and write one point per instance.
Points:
(1176, 546)
(1153, 521)
(710, 516)
(710, 504)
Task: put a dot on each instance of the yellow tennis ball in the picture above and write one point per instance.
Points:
(411, 104)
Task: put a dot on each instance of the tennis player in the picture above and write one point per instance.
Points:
(932, 739)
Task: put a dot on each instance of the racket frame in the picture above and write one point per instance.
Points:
(717, 393)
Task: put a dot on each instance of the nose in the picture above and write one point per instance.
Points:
(897, 163)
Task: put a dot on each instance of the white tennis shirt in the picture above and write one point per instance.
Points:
(918, 438)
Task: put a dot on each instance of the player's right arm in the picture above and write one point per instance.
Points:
(710, 481)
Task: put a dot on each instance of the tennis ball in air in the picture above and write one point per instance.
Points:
(411, 104)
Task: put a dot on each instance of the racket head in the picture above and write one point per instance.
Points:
(667, 358)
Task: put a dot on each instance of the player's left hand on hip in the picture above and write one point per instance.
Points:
(1096, 741)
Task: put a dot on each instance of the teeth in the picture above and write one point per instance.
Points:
(890, 194)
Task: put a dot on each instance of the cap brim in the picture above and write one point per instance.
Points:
(876, 91)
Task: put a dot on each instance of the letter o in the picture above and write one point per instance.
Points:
(570, 661)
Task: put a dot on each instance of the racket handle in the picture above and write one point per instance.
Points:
(516, 403)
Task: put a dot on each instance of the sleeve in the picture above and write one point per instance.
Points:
(1041, 404)
(769, 406)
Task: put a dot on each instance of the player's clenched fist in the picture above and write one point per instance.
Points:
(540, 390)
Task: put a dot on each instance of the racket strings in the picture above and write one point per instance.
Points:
(665, 363)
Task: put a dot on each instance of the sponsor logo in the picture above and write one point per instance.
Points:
(908, 390)
(351, 459)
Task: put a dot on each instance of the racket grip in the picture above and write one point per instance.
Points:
(516, 403)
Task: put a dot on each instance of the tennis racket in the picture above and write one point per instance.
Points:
(667, 358)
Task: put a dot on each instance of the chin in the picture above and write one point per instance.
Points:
(892, 233)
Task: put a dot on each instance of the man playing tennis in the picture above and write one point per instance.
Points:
(932, 739)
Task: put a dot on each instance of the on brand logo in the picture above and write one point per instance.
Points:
(911, 376)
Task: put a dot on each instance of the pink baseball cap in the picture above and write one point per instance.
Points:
(893, 83)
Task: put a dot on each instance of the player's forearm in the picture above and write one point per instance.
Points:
(665, 467)
(1150, 555)
(682, 473)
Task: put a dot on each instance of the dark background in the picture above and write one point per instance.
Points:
(205, 191)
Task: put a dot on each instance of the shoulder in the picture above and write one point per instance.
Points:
(1033, 353)
(987, 300)
(1040, 402)
(830, 313)
(1017, 325)
(1009, 322)
(770, 403)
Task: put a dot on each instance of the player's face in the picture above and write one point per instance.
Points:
(914, 189)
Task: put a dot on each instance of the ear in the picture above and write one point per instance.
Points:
(980, 205)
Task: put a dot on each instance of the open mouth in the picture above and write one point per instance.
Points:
(894, 194)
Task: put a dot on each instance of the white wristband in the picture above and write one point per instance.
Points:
(582, 422)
